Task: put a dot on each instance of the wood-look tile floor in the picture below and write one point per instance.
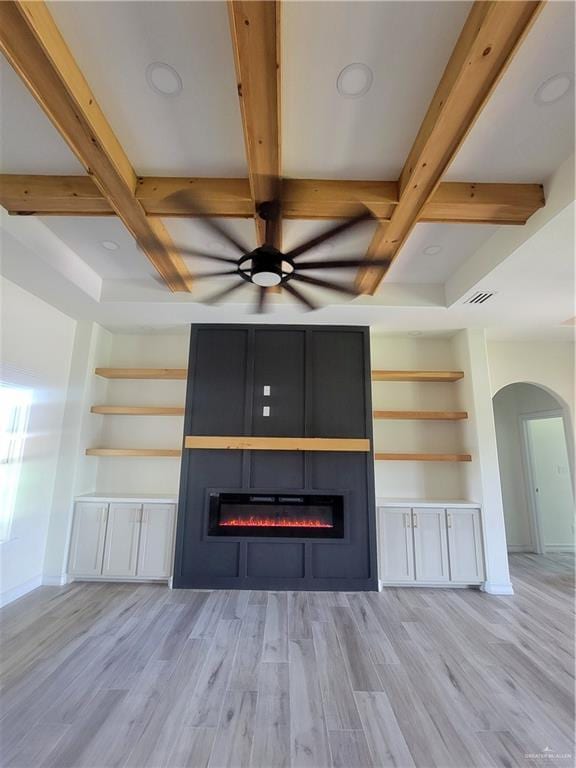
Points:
(137, 675)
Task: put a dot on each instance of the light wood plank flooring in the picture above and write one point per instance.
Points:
(136, 675)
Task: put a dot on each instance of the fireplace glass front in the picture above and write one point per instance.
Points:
(273, 515)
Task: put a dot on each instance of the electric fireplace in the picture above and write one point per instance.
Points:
(276, 515)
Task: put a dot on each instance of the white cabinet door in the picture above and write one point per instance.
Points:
(87, 543)
(465, 545)
(430, 544)
(396, 549)
(156, 541)
(122, 534)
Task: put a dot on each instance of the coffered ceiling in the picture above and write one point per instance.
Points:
(198, 132)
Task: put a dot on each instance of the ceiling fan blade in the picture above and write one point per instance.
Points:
(299, 296)
(343, 264)
(261, 300)
(326, 284)
(188, 204)
(216, 297)
(328, 234)
(187, 251)
(202, 275)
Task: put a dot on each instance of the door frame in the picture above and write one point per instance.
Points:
(528, 466)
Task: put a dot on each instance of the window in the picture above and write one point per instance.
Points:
(14, 411)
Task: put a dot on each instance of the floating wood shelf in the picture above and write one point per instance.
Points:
(147, 452)
(422, 415)
(430, 376)
(277, 443)
(423, 457)
(137, 410)
(142, 373)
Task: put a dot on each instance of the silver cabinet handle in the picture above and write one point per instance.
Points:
(449, 518)
(415, 520)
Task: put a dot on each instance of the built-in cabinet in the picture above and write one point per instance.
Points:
(430, 545)
(122, 540)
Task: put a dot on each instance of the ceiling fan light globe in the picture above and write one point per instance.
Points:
(266, 279)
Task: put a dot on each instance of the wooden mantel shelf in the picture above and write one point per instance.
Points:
(142, 373)
(247, 443)
(429, 376)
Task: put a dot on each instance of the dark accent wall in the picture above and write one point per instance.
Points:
(320, 387)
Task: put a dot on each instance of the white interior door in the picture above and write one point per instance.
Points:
(465, 545)
(87, 542)
(156, 541)
(395, 546)
(430, 544)
(122, 534)
(551, 481)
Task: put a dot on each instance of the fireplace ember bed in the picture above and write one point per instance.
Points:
(283, 515)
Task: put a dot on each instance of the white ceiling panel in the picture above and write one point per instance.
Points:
(29, 143)
(197, 132)
(407, 46)
(85, 236)
(457, 242)
(515, 138)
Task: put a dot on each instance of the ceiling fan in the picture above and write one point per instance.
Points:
(267, 267)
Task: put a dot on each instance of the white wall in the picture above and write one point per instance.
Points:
(510, 403)
(550, 364)
(36, 351)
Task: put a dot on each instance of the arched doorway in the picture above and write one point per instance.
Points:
(534, 455)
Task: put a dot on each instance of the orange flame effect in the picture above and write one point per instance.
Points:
(263, 522)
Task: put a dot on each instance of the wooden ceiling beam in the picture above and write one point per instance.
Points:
(491, 35)
(255, 29)
(453, 202)
(32, 43)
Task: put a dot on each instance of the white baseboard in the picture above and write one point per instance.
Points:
(560, 548)
(55, 581)
(497, 589)
(516, 548)
(22, 589)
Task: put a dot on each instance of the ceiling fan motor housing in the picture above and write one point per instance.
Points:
(263, 267)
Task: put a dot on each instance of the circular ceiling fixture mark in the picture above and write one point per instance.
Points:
(163, 79)
(355, 80)
(553, 89)
(432, 250)
(109, 245)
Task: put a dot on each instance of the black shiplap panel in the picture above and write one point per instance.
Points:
(219, 370)
(277, 469)
(337, 405)
(343, 472)
(275, 560)
(206, 469)
(279, 363)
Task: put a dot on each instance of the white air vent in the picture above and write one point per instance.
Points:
(480, 297)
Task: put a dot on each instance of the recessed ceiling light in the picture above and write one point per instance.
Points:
(354, 81)
(163, 79)
(553, 89)
(110, 245)
(432, 250)
(414, 333)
